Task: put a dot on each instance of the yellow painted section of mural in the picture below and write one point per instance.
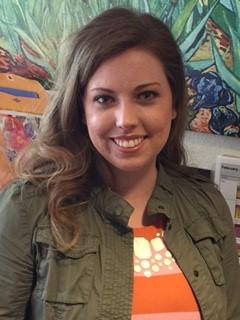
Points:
(6, 172)
(22, 95)
(22, 102)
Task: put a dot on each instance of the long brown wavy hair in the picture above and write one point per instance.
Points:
(61, 159)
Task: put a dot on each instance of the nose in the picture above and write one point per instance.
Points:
(126, 115)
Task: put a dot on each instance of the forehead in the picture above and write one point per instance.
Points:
(130, 66)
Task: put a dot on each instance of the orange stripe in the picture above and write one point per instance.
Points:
(148, 232)
(169, 293)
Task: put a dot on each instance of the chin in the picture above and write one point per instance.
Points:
(133, 167)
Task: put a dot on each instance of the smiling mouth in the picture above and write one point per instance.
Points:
(128, 143)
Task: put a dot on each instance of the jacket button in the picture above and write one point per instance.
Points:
(118, 211)
(196, 273)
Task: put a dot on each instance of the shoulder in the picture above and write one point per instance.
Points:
(187, 187)
(21, 200)
(199, 190)
(22, 191)
(205, 200)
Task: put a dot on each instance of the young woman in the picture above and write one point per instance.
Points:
(104, 222)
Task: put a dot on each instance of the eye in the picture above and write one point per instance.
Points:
(104, 99)
(147, 96)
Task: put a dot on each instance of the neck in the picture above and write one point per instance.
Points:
(134, 184)
(135, 187)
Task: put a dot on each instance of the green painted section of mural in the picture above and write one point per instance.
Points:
(207, 31)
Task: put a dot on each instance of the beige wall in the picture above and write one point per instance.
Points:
(202, 148)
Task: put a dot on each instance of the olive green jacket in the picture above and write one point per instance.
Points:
(94, 280)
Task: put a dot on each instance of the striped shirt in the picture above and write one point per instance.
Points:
(161, 291)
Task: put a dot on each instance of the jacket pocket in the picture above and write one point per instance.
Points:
(65, 278)
(208, 243)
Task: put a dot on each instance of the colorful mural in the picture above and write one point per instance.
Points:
(206, 30)
(32, 33)
(22, 102)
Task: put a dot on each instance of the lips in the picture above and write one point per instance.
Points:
(128, 142)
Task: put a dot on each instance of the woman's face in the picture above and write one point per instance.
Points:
(128, 110)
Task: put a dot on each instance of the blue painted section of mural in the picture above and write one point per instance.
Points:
(19, 93)
(227, 4)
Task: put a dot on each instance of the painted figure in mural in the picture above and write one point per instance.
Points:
(211, 100)
(22, 101)
(105, 221)
(21, 66)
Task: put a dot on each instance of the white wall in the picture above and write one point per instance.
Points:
(202, 148)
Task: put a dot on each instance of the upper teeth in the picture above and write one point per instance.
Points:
(128, 143)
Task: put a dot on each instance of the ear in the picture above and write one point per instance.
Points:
(174, 114)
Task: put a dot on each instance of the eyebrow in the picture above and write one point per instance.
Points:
(102, 89)
(139, 87)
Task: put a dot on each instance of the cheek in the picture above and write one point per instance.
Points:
(93, 129)
(162, 122)
(99, 122)
(91, 120)
(97, 129)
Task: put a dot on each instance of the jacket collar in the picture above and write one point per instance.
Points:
(115, 209)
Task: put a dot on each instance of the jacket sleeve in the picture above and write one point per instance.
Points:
(16, 260)
(230, 265)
